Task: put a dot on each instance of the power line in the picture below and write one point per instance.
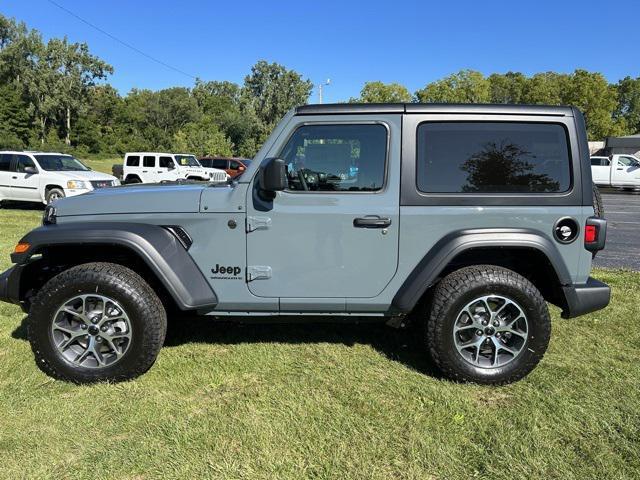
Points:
(137, 50)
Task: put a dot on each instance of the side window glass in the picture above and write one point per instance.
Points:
(606, 162)
(628, 161)
(233, 165)
(149, 161)
(221, 164)
(22, 161)
(133, 161)
(165, 161)
(336, 158)
(492, 157)
(5, 162)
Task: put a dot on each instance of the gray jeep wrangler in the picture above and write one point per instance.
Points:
(464, 219)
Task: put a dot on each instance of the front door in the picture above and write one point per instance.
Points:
(24, 186)
(333, 233)
(5, 176)
(626, 171)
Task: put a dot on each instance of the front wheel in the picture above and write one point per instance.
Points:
(54, 194)
(487, 325)
(94, 322)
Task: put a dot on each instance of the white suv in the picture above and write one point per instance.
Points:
(45, 177)
(152, 167)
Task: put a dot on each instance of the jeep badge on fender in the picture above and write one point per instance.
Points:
(466, 219)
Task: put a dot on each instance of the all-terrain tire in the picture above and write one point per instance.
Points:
(461, 287)
(598, 206)
(143, 307)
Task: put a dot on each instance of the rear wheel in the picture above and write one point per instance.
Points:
(487, 325)
(598, 206)
(96, 321)
(132, 179)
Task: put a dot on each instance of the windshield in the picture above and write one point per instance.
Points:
(187, 160)
(61, 163)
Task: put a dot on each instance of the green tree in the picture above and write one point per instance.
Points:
(378, 92)
(76, 70)
(507, 88)
(215, 98)
(14, 120)
(628, 108)
(546, 88)
(593, 95)
(202, 138)
(272, 90)
(466, 86)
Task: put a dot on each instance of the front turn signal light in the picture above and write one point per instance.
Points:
(21, 247)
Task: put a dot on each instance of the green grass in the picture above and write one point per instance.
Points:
(101, 163)
(326, 401)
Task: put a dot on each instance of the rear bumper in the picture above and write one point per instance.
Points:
(593, 295)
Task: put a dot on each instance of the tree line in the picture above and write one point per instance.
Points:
(54, 96)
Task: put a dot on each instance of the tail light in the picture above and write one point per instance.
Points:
(595, 234)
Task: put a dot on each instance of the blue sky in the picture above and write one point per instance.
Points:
(350, 42)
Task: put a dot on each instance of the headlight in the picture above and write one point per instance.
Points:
(77, 185)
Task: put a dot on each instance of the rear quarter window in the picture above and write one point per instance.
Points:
(492, 157)
(133, 161)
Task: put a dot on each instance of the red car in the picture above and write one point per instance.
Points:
(233, 166)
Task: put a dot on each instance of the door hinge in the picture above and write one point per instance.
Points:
(258, 223)
(258, 272)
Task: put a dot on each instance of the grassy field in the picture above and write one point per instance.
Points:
(101, 163)
(325, 401)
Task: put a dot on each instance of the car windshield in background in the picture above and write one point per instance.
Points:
(187, 161)
(61, 163)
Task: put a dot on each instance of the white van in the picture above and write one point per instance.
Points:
(616, 171)
(44, 177)
(155, 167)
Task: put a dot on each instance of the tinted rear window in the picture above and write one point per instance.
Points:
(5, 162)
(149, 161)
(492, 157)
(222, 164)
(133, 161)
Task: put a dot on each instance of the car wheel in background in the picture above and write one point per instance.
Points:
(54, 194)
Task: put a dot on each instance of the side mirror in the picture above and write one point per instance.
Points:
(171, 165)
(273, 177)
(30, 170)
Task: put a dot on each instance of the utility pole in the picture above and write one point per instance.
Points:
(320, 87)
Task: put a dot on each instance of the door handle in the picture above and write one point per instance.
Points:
(15, 178)
(372, 221)
(620, 168)
(145, 171)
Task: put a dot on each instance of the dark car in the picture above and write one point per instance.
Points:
(233, 166)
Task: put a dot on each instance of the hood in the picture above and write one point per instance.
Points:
(88, 175)
(137, 198)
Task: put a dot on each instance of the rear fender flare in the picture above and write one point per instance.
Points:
(428, 270)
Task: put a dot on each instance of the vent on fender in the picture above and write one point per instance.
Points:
(181, 234)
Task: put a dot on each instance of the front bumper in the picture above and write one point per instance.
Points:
(593, 295)
(10, 285)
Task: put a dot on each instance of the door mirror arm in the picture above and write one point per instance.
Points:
(273, 178)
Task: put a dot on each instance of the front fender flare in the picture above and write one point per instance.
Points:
(157, 247)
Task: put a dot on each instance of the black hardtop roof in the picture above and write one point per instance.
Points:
(488, 109)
